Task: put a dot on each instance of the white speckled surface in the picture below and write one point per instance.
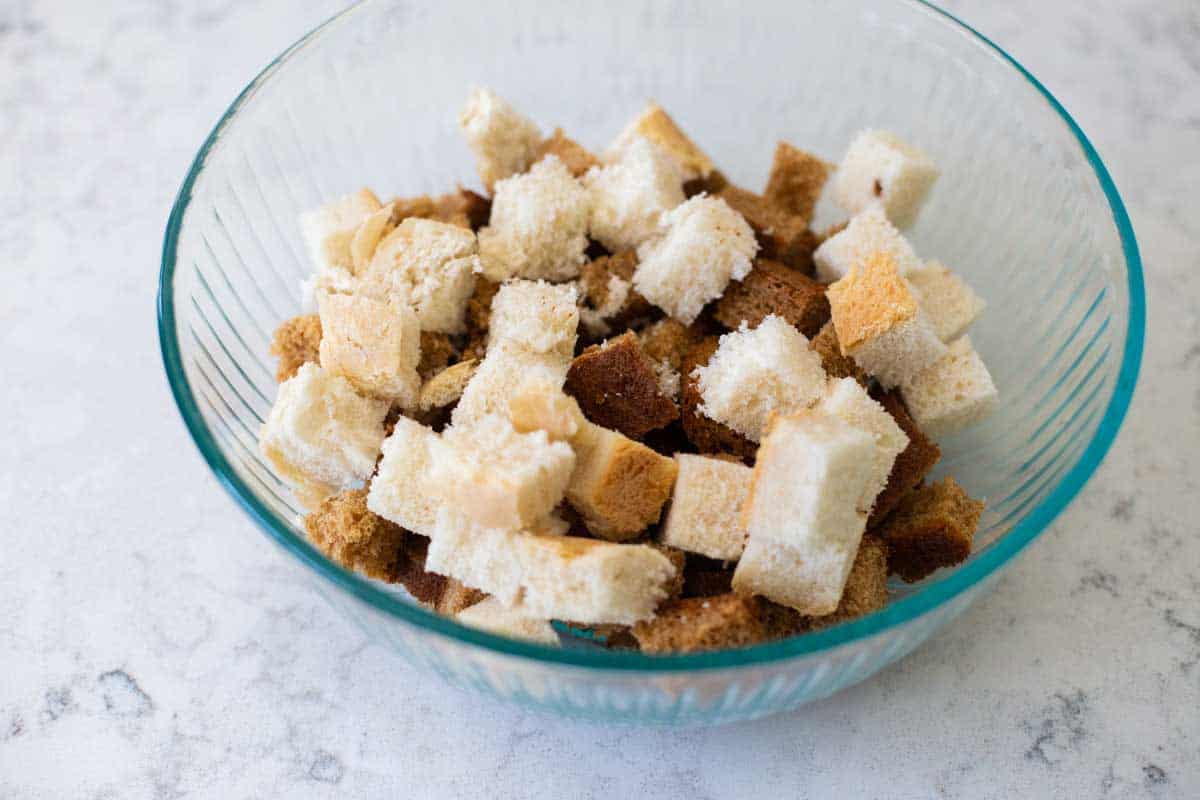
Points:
(153, 645)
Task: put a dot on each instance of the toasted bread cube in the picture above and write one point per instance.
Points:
(494, 617)
(772, 288)
(913, 463)
(706, 508)
(296, 342)
(501, 478)
(866, 585)
(538, 227)
(350, 535)
(701, 623)
(880, 168)
(402, 490)
(374, 344)
(552, 577)
(329, 230)
(879, 323)
(536, 316)
(607, 288)
(932, 527)
(618, 387)
(847, 400)
(668, 341)
(796, 180)
(503, 140)
(657, 126)
(783, 236)
(574, 156)
(619, 486)
(703, 245)
(430, 265)
(952, 393)
(629, 196)
(946, 299)
(705, 433)
(322, 436)
(868, 233)
(445, 388)
(825, 344)
(759, 372)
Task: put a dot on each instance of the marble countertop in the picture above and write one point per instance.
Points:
(154, 645)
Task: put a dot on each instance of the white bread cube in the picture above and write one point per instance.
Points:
(810, 580)
(879, 322)
(322, 436)
(701, 246)
(402, 490)
(501, 375)
(759, 372)
(628, 196)
(500, 478)
(657, 126)
(538, 226)
(329, 230)
(880, 168)
(952, 393)
(947, 301)
(706, 507)
(430, 265)
(847, 400)
(503, 140)
(552, 577)
(493, 616)
(537, 316)
(374, 344)
(869, 232)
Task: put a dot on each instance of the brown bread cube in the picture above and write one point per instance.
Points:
(296, 342)
(772, 288)
(618, 387)
(705, 433)
(933, 527)
(866, 585)
(669, 340)
(911, 466)
(349, 535)
(577, 158)
(783, 236)
(796, 180)
(701, 623)
(826, 345)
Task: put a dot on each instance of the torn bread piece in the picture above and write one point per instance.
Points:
(494, 617)
(321, 436)
(703, 244)
(350, 535)
(374, 344)
(329, 230)
(881, 169)
(629, 196)
(296, 342)
(849, 402)
(503, 140)
(879, 323)
(705, 514)
(796, 180)
(772, 288)
(759, 372)
(657, 126)
(947, 301)
(618, 387)
(952, 393)
(932, 527)
(702, 623)
(402, 490)
(552, 577)
(538, 227)
(868, 233)
(577, 158)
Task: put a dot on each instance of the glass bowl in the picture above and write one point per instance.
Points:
(1024, 209)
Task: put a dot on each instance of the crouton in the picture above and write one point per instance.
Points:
(574, 156)
(607, 284)
(951, 393)
(701, 623)
(880, 169)
(438, 351)
(619, 486)
(879, 323)
(296, 342)
(351, 536)
(374, 344)
(501, 376)
(705, 433)
(446, 387)
(702, 246)
(536, 316)
(667, 341)
(868, 233)
(796, 180)
(494, 617)
(772, 288)
(947, 301)
(782, 236)
(463, 208)
(705, 514)
(618, 387)
(825, 344)
(629, 196)
(504, 141)
(932, 527)
(329, 229)
(849, 402)
(911, 466)
(402, 490)
(657, 126)
(866, 585)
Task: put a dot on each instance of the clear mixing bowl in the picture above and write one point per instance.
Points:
(1024, 209)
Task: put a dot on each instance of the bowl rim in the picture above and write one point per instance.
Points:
(899, 612)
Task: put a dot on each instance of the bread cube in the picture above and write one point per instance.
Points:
(498, 477)
(574, 156)
(657, 126)
(402, 490)
(350, 535)
(494, 617)
(618, 387)
(322, 436)
(701, 623)
(430, 265)
(759, 372)
(947, 301)
(911, 466)
(501, 376)
(868, 233)
(952, 393)
(881, 169)
(772, 288)
(809, 580)
(668, 341)
(503, 140)
(446, 387)
(629, 196)
(826, 345)
(849, 402)
(879, 323)
(538, 227)
(705, 516)
(374, 344)
(607, 287)
(866, 585)
(703, 245)
(619, 486)
(536, 316)
(706, 434)
(328, 230)
(783, 236)
(796, 180)
(296, 342)
(932, 527)
(552, 577)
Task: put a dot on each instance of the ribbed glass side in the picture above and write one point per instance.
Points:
(1023, 210)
